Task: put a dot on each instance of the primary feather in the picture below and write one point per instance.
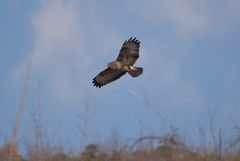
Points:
(106, 76)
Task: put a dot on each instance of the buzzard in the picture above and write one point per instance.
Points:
(128, 55)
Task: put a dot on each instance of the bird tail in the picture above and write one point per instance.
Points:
(135, 71)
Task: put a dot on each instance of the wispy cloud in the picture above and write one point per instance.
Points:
(186, 17)
(71, 37)
(66, 47)
(63, 50)
(73, 40)
(188, 20)
(58, 54)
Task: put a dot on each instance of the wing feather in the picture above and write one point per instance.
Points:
(129, 52)
(106, 76)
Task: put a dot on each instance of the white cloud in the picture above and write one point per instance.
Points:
(66, 47)
(187, 17)
(71, 36)
(56, 48)
(223, 15)
(58, 52)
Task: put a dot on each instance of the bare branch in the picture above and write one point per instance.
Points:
(153, 107)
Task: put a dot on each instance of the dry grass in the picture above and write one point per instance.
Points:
(8, 152)
(170, 148)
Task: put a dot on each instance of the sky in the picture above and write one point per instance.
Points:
(189, 52)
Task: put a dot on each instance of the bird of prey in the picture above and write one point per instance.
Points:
(127, 57)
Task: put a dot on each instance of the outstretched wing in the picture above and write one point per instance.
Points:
(129, 52)
(106, 76)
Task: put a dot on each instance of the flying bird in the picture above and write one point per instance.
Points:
(127, 57)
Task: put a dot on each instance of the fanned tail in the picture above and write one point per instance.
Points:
(135, 71)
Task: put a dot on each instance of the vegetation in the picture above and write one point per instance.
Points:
(148, 148)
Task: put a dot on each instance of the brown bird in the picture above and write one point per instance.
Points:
(127, 57)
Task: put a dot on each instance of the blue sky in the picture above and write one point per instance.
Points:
(189, 52)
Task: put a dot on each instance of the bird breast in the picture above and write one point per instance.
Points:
(119, 66)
